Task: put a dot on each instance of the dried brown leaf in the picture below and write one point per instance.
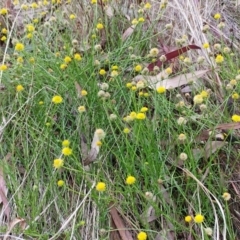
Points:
(228, 126)
(118, 221)
(109, 11)
(128, 33)
(170, 83)
(78, 89)
(13, 223)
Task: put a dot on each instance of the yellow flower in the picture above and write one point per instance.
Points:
(168, 70)
(141, 19)
(100, 26)
(219, 58)
(236, 118)
(233, 82)
(40, 102)
(60, 183)
(226, 196)
(138, 68)
(32, 60)
(3, 67)
(205, 45)
(77, 57)
(126, 130)
(58, 163)
(198, 99)
(235, 96)
(101, 187)
(24, 6)
(161, 89)
(129, 85)
(66, 151)
(115, 67)
(114, 73)
(182, 137)
(154, 52)
(130, 180)
(140, 116)
(57, 99)
(19, 88)
(133, 115)
(3, 11)
(142, 236)
(4, 31)
(144, 109)
(102, 72)
(3, 38)
(63, 66)
(217, 16)
(84, 93)
(188, 219)
(67, 59)
(65, 143)
(99, 143)
(20, 60)
(30, 28)
(100, 133)
(34, 5)
(72, 16)
(147, 6)
(204, 94)
(134, 21)
(19, 47)
(93, 1)
(81, 109)
(198, 218)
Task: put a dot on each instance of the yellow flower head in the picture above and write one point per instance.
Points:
(30, 28)
(235, 96)
(84, 93)
(204, 94)
(93, 1)
(67, 59)
(147, 6)
(226, 196)
(4, 31)
(161, 89)
(72, 16)
(205, 45)
(19, 47)
(219, 58)
(130, 180)
(58, 163)
(3, 67)
(81, 109)
(134, 21)
(126, 130)
(217, 16)
(138, 68)
(168, 70)
(198, 99)
(141, 19)
(100, 26)
(236, 118)
(101, 187)
(142, 236)
(140, 116)
(57, 99)
(3, 11)
(198, 218)
(65, 143)
(66, 151)
(102, 72)
(188, 219)
(77, 57)
(60, 183)
(144, 109)
(19, 88)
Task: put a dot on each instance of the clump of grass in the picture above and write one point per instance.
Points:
(84, 143)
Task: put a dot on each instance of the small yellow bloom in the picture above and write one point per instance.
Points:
(217, 16)
(66, 143)
(130, 180)
(129, 85)
(19, 47)
(72, 16)
(19, 88)
(198, 99)
(60, 183)
(115, 67)
(168, 70)
(101, 187)
(141, 19)
(235, 96)
(4, 31)
(144, 109)
(142, 236)
(34, 5)
(77, 57)
(100, 26)
(30, 28)
(236, 118)
(81, 109)
(226, 196)
(188, 219)
(93, 1)
(198, 218)
(3, 67)
(219, 58)
(58, 163)
(24, 7)
(3, 11)
(204, 94)
(40, 102)
(182, 137)
(134, 21)
(206, 45)
(32, 60)
(20, 60)
(147, 6)
(154, 52)
(138, 68)
(3, 38)
(63, 66)
(99, 143)
(66, 151)
(102, 72)
(140, 116)
(233, 82)
(126, 130)
(114, 73)
(57, 99)
(161, 89)
(67, 59)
